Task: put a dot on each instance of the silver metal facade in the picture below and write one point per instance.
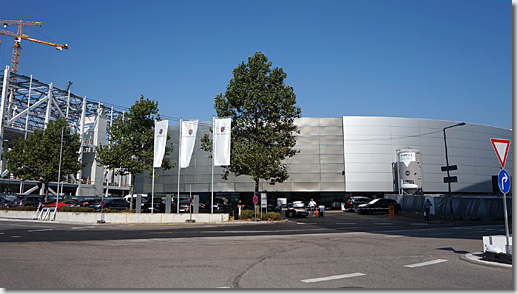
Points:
(354, 154)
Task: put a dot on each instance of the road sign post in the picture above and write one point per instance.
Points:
(255, 200)
(501, 147)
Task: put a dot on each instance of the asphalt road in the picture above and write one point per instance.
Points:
(340, 250)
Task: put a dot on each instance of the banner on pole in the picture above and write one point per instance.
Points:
(222, 134)
(160, 142)
(189, 129)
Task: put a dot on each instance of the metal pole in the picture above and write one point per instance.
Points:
(448, 172)
(179, 168)
(59, 171)
(212, 173)
(507, 247)
(448, 166)
(152, 191)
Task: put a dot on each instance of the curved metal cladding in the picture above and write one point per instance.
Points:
(355, 154)
(370, 144)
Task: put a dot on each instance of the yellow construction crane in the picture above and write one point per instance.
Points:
(15, 60)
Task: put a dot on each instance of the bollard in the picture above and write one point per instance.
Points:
(391, 211)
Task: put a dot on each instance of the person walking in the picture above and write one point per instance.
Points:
(427, 206)
(312, 205)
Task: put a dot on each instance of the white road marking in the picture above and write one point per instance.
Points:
(345, 223)
(384, 224)
(79, 228)
(306, 223)
(42, 230)
(333, 278)
(426, 263)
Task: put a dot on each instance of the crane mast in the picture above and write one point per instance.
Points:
(15, 60)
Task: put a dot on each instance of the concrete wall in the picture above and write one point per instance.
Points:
(120, 218)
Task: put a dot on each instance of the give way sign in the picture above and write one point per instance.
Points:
(501, 147)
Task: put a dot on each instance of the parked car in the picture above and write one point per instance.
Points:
(158, 205)
(185, 206)
(61, 203)
(88, 202)
(296, 209)
(378, 205)
(26, 201)
(112, 203)
(353, 202)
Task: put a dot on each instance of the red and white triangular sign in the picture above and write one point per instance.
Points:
(501, 147)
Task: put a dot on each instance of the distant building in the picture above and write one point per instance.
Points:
(351, 155)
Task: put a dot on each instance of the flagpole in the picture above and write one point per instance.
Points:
(153, 169)
(179, 168)
(212, 173)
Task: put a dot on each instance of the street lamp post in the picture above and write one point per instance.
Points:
(448, 166)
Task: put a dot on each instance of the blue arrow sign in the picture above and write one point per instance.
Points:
(504, 181)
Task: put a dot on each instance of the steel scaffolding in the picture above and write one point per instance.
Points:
(28, 104)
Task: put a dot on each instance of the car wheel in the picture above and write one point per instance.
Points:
(290, 214)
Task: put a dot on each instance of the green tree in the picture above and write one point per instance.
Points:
(263, 109)
(37, 157)
(131, 147)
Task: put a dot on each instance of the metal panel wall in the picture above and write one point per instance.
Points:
(469, 148)
(370, 145)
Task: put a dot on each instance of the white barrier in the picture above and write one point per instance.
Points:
(121, 218)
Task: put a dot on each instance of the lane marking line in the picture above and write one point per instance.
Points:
(42, 230)
(307, 223)
(384, 224)
(333, 278)
(426, 263)
(345, 223)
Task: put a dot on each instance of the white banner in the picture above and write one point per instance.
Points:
(222, 134)
(160, 142)
(189, 129)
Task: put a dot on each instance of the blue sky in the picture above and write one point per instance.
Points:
(440, 59)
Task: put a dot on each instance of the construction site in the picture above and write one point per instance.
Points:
(29, 104)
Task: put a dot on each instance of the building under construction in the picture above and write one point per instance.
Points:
(28, 104)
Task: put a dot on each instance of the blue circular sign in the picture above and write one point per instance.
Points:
(102, 203)
(255, 199)
(504, 181)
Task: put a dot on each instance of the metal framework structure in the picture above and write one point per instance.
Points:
(28, 104)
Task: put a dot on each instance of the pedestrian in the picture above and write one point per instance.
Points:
(236, 209)
(312, 205)
(427, 206)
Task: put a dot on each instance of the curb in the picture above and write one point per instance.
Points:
(476, 258)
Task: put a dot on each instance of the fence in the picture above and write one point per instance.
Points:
(476, 207)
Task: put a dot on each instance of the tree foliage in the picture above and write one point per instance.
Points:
(37, 157)
(131, 146)
(263, 109)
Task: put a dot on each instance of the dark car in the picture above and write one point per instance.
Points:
(158, 205)
(26, 201)
(353, 202)
(378, 205)
(220, 205)
(88, 202)
(296, 209)
(112, 203)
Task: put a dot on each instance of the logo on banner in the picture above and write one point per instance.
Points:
(160, 132)
(190, 132)
(222, 129)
